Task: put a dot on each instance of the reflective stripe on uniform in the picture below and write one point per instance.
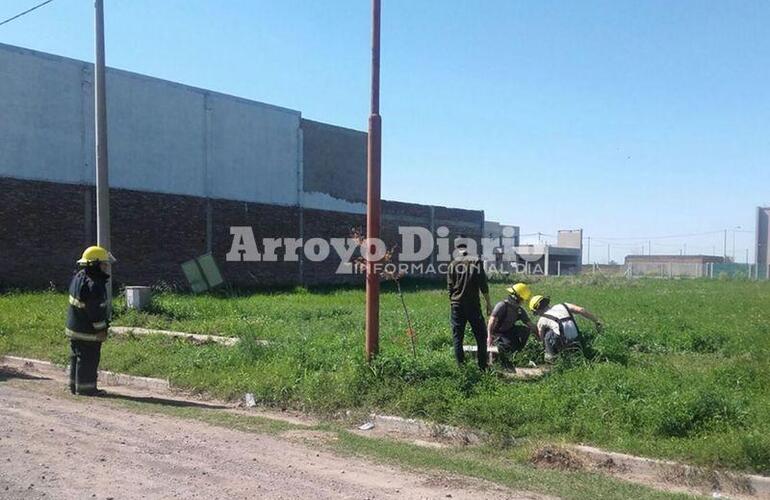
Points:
(75, 302)
(100, 325)
(92, 337)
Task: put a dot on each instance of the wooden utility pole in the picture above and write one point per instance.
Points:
(373, 168)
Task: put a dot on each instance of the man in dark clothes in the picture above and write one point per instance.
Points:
(509, 326)
(88, 318)
(465, 279)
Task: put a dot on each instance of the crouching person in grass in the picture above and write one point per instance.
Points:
(509, 326)
(87, 319)
(557, 328)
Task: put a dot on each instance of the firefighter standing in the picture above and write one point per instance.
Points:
(87, 318)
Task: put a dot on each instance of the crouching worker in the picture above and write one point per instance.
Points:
(509, 326)
(557, 328)
(87, 318)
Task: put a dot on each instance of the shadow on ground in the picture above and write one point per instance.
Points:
(7, 373)
(162, 401)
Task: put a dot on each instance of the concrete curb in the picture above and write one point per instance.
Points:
(655, 468)
(106, 377)
(194, 337)
(426, 430)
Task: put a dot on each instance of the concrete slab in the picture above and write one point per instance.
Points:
(666, 471)
(194, 337)
(420, 429)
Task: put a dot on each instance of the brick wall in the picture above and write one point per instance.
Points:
(152, 234)
(326, 224)
(267, 221)
(42, 232)
(44, 227)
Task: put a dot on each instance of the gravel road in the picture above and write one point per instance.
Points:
(53, 445)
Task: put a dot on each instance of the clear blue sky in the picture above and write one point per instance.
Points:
(625, 118)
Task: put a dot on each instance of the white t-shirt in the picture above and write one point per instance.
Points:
(559, 311)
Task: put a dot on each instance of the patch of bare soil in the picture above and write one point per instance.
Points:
(610, 466)
(554, 457)
(310, 435)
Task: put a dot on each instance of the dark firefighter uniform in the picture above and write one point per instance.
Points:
(87, 322)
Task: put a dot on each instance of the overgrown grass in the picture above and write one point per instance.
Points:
(680, 371)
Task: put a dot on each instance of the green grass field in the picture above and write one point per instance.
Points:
(680, 371)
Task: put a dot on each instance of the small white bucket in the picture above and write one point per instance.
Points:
(138, 297)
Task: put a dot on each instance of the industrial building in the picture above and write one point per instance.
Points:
(186, 164)
(510, 256)
(494, 255)
(566, 257)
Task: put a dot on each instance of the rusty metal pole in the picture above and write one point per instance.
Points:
(373, 194)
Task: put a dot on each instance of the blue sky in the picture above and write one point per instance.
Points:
(626, 118)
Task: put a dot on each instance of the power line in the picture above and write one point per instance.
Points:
(637, 238)
(25, 12)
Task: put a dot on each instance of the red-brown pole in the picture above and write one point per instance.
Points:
(373, 194)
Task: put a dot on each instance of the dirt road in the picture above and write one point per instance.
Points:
(53, 445)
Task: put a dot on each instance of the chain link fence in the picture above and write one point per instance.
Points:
(694, 270)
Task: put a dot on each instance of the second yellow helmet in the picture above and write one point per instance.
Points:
(536, 301)
(521, 290)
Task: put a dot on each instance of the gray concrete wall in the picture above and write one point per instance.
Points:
(254, 152)
(494, 229)
(156, 132)
(42, 104)
(334, 161)
(164, 137)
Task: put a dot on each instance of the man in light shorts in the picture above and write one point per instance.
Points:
(557, 328)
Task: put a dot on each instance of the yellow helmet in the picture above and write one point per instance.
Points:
(95, 254)
(535, 302)
(521, 290)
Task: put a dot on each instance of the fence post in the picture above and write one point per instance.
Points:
(558, 268)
